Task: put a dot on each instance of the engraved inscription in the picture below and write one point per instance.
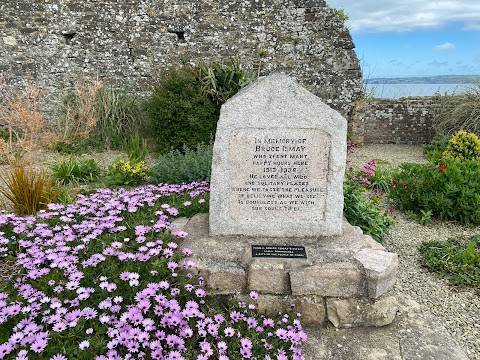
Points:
(279, 171)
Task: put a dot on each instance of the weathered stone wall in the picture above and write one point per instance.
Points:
(394, 121)
(129, 42)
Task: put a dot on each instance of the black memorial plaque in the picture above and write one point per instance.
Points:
(279, 251)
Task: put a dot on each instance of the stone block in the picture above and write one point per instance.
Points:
(380, 270)
(273, 304)
(329, 280)
(312, 308)
(347, 313)
(223, 278)
(268, 277)
(179, 223)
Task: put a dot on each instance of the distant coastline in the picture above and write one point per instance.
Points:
(440, 79)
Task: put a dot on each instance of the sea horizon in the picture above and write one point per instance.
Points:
(399, 90)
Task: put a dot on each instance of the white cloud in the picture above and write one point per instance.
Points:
(445, 47)
(473, 26)
(407, 15)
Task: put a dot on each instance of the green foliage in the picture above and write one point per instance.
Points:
(75, 169)
(96, 115)
(8, 133)
(463, 146)
(119, 116)
(178, 113)
(383, 178)
(27, 190)
(458, 112)
(361, 205)
(426, 217)
(449, 191)
(221, 81)
(126, 172)
(184, 167)
(435, 149)
(361, 210)
(457, 260)
(340, 12)
(137, 148)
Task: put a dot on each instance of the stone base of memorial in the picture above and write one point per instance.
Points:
(276, 212)
(342, 279)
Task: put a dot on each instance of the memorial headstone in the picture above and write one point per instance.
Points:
(276, 221)
(278, 163)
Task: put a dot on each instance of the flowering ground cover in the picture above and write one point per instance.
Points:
(103, 278)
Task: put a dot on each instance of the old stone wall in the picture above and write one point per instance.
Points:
(129, 42)
(394, 121)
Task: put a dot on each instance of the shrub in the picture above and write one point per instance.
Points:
(435, 149)
(126, 172)
(361, 206)
(178, 113)
(75, 115)
(458, 112)
(221, 81)
(361, 210)
(97, 114)
(449, 191)
(184, 167)
(463, 146)
(457, 260)
(27, 190)
(75, 169)
(382, 179)
(26, 129)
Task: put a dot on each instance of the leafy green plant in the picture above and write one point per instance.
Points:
(137, 148)
(457, 260)
(126, 172)
(435, 149)
(410, 215)
(426, 217)
(449, 191)
(178, 113)
(184, 167)
(27, 190)
(222, 80)
(360, 210)
(382, 180)
(361, 204)
(341, 13)
(463, 146)
(75, 169)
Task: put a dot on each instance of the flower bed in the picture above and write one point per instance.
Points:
(102, 278)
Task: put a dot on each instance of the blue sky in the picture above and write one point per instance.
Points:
(415, 37)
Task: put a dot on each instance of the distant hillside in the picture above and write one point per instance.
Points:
(441, 79)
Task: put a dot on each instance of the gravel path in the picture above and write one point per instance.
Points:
(457, 310)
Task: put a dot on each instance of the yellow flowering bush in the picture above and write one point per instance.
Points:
(126, 172)
(463, 146)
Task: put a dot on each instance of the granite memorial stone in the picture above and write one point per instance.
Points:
(278, 163)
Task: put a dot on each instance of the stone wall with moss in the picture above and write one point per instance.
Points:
(128, 42)
(394, 121)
